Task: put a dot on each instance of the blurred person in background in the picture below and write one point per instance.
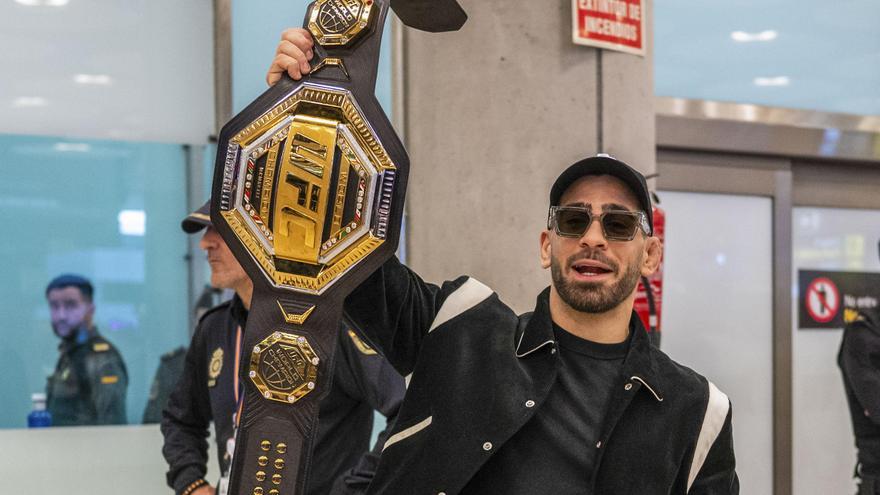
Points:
(89, 383)
(859, 361)
(164, 381)
(171, 363)
(209, 390)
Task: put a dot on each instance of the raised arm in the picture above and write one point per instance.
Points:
(394, 310)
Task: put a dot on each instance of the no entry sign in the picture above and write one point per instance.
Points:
(833, 299)
(610, 24)
(822, 300)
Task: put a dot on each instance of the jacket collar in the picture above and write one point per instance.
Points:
(639, 365)
(82, 337)
(536, 329)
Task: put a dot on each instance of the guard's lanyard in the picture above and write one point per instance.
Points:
(239, 397)
(223, 485)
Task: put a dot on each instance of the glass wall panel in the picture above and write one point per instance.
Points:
(121, 97)
(110, 211)
(131, 71)
(718, 314)
(809, 54)
(826, 239)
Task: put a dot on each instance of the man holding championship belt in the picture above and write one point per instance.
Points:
(568, 399)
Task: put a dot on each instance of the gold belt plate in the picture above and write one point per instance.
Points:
(307, 188)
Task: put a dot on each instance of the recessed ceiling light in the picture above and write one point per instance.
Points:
(29, 102)
(96, 79)
(43, 3)
(772, 81)
(72, 147)
(744, 37)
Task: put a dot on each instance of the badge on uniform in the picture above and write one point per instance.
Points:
(215, 366)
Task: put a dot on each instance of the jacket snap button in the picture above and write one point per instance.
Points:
(628, 386)
(487, 446)
(530, 403)
(599, 444)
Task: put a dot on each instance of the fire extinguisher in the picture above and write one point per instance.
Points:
(649, 294)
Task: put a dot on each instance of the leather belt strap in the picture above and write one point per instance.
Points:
(308, 194)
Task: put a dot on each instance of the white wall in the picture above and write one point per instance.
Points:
(717, 312)
(157, 54)
(107, 460)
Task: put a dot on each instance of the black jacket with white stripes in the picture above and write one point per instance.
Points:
(477, 373)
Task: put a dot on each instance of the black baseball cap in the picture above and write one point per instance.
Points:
(604, 164)
(198, 219)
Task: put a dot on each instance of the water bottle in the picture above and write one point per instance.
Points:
(39, 417)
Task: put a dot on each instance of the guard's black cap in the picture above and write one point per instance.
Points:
(603, 164)
(198, 219)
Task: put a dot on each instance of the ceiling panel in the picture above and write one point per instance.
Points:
(134, 70)
(806, 54)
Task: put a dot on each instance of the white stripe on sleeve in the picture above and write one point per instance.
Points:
(713, 421)
(408, 432)
(467, 296)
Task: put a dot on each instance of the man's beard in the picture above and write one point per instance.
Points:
(589, 297)
(66, 331)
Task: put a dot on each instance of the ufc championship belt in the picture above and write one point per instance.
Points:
(308, 193)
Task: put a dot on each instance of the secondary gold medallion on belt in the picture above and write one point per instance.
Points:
(337, 22)
(284, 367)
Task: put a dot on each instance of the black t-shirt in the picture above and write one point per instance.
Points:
(554, 453)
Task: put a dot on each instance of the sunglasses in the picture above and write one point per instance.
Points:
(574, 221)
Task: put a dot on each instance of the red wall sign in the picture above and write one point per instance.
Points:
(610, 24)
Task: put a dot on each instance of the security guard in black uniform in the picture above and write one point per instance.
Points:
(90, 379)
(209, 390)
(859, 362)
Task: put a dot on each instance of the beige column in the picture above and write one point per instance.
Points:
(491, 115)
